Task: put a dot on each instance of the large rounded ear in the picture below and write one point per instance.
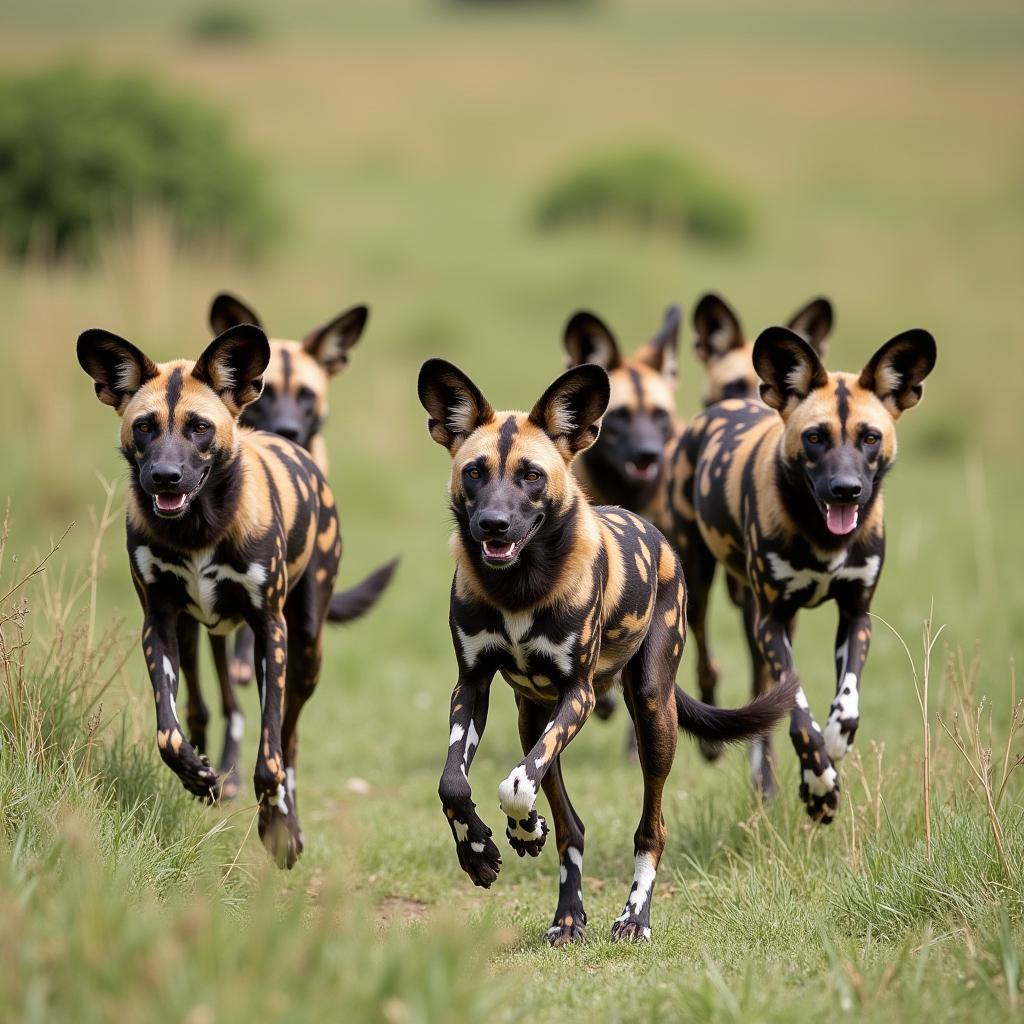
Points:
(228, 311)
(570, 411)
(718, 328)
(117, 367)
(454, 404)
(329, 344)
(661, 353)
(788, 366)
(233, 365)
(814, 323)
(897, 370)
(588, 339)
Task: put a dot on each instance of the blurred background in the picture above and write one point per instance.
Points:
(475, 172)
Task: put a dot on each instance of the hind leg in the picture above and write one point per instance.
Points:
(699, 572)
(197, 715)
(762, 756)
(650, 697)
(241, 662)
(569, 924)
(229, 781)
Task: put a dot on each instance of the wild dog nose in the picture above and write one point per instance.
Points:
(495, 524)
(166, 475)
(845, 488)
(646, 459)
(289, 431)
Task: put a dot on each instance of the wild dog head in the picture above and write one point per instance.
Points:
(294, 400)
(511, 487)
(839, 436)
(178, 419)
(727, 356)
(626, 462)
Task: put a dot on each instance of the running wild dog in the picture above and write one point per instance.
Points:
(787, 497)
(225, 526)
(565, 600)
(294, 404)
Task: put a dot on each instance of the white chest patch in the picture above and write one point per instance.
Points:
(517, 625)
(201, 575)
(795, 581)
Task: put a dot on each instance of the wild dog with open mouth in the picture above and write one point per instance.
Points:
(625, 466)
(564, 600)
(722, 347)
(294, 404)
(788, 499)
(225, 526)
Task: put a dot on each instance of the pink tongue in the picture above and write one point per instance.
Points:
(170, 502)
(496, 548)
(841, 518)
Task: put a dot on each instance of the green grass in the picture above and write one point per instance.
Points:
(880, 152)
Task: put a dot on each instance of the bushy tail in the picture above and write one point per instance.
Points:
(347, 605)
(728, 725)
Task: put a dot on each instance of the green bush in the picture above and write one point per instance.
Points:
(81, 150)
(226, 23)
(651, 190)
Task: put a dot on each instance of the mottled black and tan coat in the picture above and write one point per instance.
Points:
(565, 601)
(225, 526)
(786, 496)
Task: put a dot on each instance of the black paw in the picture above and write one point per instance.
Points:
(280, 835)
(528, 835)
(631, 929)
(566, 930)
(478, 856)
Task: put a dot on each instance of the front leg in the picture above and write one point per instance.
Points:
(478, 856)
(277, 827)
(517, 795)
(160, 646)
(819, 780)
(853, 638)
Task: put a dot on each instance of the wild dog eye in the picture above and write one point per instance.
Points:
(871, 439)
(143, 427)
(200, 428)
(532, 476)
(473, 473)
(812, 437)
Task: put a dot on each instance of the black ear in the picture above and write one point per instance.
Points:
(897, 370)
(116, 366)
(718, 328)
(329, 344)
(227, 311)
(788, 366)
(814, 323)
(233, 365)
(570, 411)
(453, 402)
(588, 339)
(661, 353)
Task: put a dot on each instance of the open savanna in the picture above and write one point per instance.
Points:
(880, 149)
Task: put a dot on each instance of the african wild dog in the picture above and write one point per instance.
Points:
(625, 465)
(723, 348)
(564, 600)
(225, 526)
(788, 498)
(294, 404)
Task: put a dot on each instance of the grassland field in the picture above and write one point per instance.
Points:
(880, 147)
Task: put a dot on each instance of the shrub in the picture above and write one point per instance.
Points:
(650, 190)
(81, 150)
(224, 23)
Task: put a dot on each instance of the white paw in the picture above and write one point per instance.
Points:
(517, 795)
(821, 784)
